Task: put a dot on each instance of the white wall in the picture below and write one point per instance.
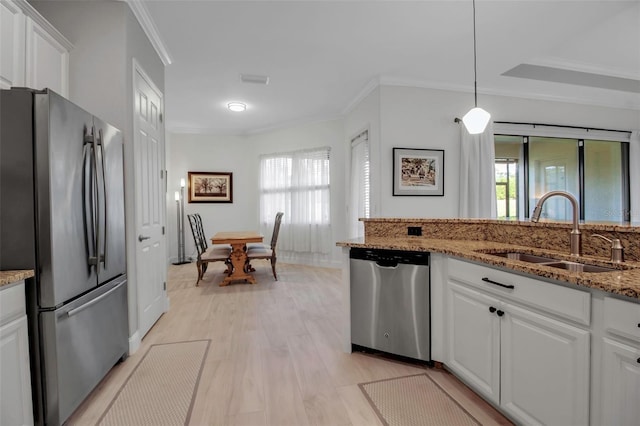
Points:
(241, 156)
(210, 153)
(423, 118)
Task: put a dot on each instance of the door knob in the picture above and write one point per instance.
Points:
(500, 313)
(492, 309)
(142, 238)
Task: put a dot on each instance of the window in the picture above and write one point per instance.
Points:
(507, 188)
(595, 171)
(360, 187)
(297, 183)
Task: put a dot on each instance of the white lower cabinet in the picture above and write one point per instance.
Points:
(15, 377)
(621, 383)
(533, 366)
(544, 375)
(474, 340)
(620, 365)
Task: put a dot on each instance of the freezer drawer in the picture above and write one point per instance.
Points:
(390, 307)
(82, 341)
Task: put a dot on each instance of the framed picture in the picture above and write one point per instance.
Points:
(418, 171)
(210, 187)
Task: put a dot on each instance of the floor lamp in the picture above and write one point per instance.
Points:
(180, 223)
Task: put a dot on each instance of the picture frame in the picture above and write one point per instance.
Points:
(418, 172)
(210, 187)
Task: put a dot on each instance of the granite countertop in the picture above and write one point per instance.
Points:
(10, 277)
(623, 281)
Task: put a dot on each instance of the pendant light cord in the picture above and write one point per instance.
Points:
(475, 66)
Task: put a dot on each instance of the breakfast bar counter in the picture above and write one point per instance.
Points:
(477, 239)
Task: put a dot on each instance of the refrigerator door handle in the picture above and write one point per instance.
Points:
(92, 242)
(95, 201)
(103, 255)
(81, 308)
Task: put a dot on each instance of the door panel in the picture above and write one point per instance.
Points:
(545, 369)
(150, 203)
(621, 383)
(474, 339)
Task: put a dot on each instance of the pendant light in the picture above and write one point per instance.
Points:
(476, 119)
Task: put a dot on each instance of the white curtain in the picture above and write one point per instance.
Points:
(360, 189)
(477, 174)
(634, 175)
(297, 183)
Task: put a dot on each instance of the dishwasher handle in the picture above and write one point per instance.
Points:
(387, 263)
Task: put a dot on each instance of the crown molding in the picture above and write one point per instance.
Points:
(32, 13)
(256, 131)
(372, 85)
(146, 22)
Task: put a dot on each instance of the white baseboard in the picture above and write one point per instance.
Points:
(134, 342)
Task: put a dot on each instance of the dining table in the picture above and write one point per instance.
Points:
(238, 257)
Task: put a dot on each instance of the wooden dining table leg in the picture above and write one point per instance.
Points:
(238, 259)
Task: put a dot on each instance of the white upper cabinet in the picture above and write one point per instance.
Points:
(12, 45)
(34, 53)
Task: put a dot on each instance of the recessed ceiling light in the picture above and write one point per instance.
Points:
(236, 106)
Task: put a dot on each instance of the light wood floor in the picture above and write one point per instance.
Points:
(275, 355)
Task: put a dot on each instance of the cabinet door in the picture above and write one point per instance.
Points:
(11, 45)
(545, 369)
(15, 381)
(474, 340)
(47, 60)
(621, 383)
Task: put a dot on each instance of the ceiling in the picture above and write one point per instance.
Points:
(322, 57)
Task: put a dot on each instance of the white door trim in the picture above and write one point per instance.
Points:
(135, 311)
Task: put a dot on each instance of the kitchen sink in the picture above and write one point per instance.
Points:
(550, 261)
(525, 257)
(579, 267)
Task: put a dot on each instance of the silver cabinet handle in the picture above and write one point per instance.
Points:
(142, 238)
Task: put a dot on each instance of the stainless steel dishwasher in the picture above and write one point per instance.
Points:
(390, 303)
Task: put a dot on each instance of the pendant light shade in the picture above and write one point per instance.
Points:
(476, 119)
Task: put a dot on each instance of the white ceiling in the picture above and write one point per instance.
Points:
(323, 56)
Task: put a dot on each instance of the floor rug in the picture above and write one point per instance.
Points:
(414, 401)
(162, 387)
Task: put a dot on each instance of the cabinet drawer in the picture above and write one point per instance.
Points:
(622, 318)
(12, 302)
(565, 302)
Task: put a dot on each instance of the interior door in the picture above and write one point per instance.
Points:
(150, 202)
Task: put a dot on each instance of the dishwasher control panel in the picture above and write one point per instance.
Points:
(391, 256)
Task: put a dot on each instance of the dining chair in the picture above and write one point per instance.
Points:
(266, 252)
(206, 254)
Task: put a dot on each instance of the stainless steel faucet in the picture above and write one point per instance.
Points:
(576, 242)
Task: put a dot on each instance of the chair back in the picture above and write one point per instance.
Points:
(198, 233)
(276, 230)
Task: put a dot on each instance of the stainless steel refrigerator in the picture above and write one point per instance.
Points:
(62, 214)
